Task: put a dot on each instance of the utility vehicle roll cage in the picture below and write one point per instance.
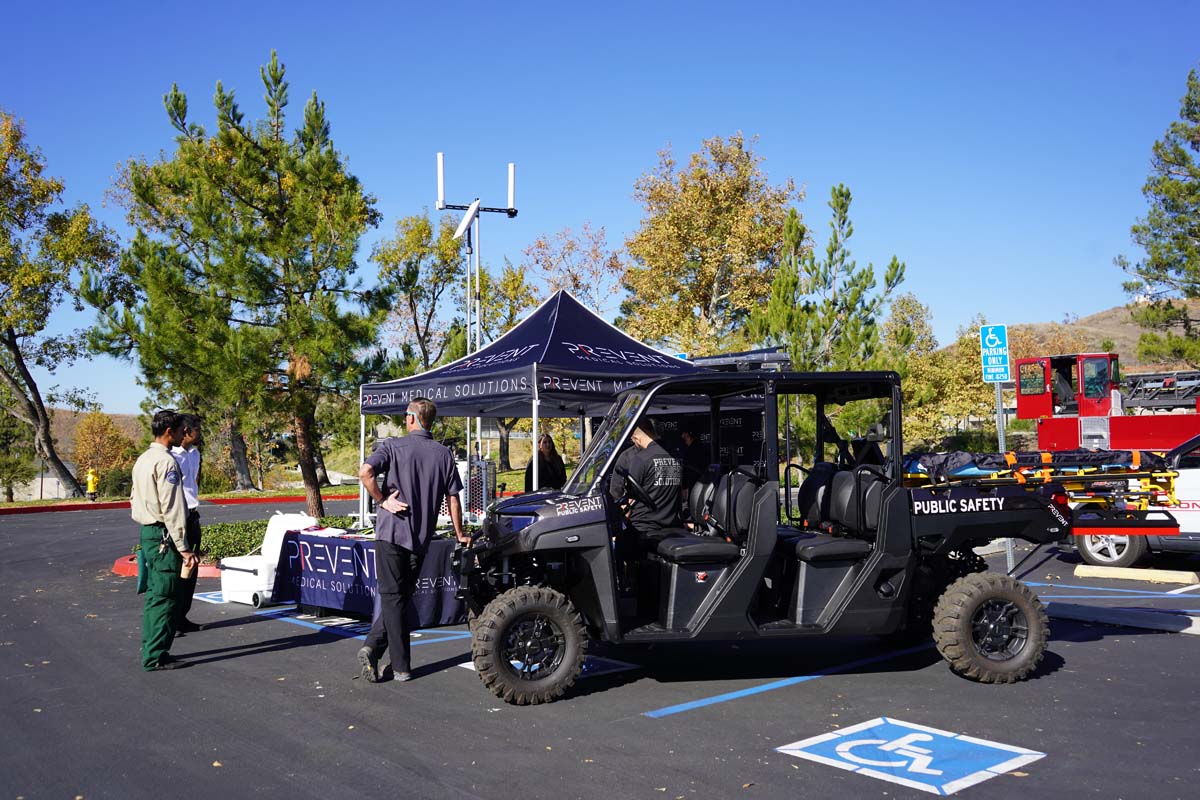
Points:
(750, 390)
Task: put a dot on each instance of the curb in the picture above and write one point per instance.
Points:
(1131, 574)
(126, 567)
(1169, 621)
(221, 501)
(63, 507)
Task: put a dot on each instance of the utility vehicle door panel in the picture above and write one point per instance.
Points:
(953, 517)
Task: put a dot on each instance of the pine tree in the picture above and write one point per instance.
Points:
(239, 291)
(1169, 275)
(826, 311)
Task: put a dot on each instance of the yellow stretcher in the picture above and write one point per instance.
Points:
(1107, 486)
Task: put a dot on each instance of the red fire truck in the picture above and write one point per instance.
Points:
(1078, 401)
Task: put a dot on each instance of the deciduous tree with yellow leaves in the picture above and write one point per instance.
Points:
(42, 249)
(706, 251)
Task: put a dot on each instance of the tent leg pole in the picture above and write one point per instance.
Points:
(467, 487)
(362, 457)
(534, 453)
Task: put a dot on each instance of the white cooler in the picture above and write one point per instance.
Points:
(250, 579)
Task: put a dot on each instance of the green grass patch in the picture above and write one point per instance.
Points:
(225, 539)
(343, 459)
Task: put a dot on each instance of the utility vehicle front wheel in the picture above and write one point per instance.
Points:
(990, 628)
(528, 645)
(1111, 551)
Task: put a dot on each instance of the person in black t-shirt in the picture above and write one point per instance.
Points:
(660, 474)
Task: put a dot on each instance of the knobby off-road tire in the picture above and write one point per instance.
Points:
(1111, 551)
(930, 582)
(991, 628)
(528, 645)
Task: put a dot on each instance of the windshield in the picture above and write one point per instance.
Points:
(604, 441)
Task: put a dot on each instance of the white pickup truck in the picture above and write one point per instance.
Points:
(1125, 551)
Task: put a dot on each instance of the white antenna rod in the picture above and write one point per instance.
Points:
(441, 169)
(512, 185)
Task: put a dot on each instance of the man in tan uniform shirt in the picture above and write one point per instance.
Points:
(159, 505)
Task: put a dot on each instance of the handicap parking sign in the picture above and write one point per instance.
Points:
(917, 756)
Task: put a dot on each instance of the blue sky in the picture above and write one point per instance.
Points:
(998, 149)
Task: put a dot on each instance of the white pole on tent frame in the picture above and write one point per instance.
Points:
(362, 457)
(466, 489)
(478, 336)
(536, 403)
(472, 217)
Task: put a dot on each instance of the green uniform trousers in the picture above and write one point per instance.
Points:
(162, 589)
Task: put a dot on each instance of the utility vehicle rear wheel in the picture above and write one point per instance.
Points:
(529, 644)
(991, 628)
(1111, 551)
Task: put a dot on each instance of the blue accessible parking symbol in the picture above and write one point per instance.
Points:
(932, 760)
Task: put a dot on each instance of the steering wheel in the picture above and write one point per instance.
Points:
(634, 490)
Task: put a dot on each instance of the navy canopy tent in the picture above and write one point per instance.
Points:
(561, 361)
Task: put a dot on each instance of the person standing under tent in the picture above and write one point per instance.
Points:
(418, 473)
(187, 455)
(552, 473)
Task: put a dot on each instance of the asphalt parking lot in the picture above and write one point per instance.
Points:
(272, 704)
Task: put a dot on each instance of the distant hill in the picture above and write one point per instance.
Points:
(62, 428)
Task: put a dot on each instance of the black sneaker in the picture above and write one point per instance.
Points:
(187, 626)
(168, 662)
(368, 665)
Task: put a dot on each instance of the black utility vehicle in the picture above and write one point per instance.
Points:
(850, 550)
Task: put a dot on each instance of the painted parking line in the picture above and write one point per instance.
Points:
(1105, 597)
(658, 713)
(1183, 589)
(357, 629)
(1146, 592)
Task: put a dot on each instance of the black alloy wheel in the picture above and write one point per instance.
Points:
(534, 647)
(999, 629)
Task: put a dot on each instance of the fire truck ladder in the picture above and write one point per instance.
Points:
(1162, 390)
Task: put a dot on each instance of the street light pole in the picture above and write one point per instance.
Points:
(469, 226)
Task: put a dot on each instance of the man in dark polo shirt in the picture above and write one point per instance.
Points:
(418, 472)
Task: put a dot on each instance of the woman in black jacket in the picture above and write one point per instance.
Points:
(552, 473)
